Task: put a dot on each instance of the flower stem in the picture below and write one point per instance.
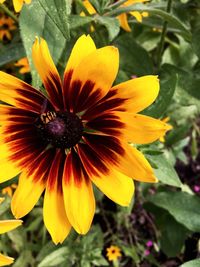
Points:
(162, 38)
(9, 13)
(116, 263)
(118, 3)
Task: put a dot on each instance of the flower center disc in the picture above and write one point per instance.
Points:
(61, 129)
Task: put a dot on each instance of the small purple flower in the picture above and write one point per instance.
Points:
(149, 243)
(146, 252)
(196, 188)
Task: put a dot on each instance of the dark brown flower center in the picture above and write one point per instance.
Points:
(61, 129)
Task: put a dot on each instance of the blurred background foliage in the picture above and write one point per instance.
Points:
(162, 226)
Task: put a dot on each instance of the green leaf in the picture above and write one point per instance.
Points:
(182, 206)
(45, 20)
(111, 24)
(196, 42)
(134, 59)
(55, 258)
(45, 251)
(5, 205)
(173, 234)
(11, 52)
(177, 134)
(25, 259)
(131, 251)
(167, 89)
(58, 11)
(193, 263)
(17, 236)
(76, 21)
(165, 172)
(180, 53)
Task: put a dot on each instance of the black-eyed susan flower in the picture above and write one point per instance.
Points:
(123, 18)
(6, 226)
(6, 26)
(113, 253)
(75, 136)
(18, 4)
(23, 65)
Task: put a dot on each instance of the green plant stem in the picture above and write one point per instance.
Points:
(9, 13)
(162, 38)
(118, 3)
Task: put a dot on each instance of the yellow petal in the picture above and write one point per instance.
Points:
(116, 186)
(96, 72)
(135, 165)
(141, 129)
(20, 94)
(137, 15)
(8, 225)
(82, 48)
(139, 92)
(5, 260)
(116, 153)
(89, 7)
(8, 170)
(123, 20)
(54, 214)
(26, 195)
(145, 14)
(47, 70)
(78, 196)
(18, 5)
(43, 60)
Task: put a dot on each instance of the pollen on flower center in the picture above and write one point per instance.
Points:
(61, 129)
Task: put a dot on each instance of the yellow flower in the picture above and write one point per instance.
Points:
(91, 10)
(162, 138)
(6, 26)
(6, 226)
(113, 253)
(23, 64)
(123, 19)
(9, 190)
(17, 4)
(76, 136)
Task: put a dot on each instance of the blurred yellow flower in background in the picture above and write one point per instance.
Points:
(23, 64)
(6, 26)
(17, 4)
(113, 253)
(6, 226)
(123, 19)
(90, 9)
(9, 190)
